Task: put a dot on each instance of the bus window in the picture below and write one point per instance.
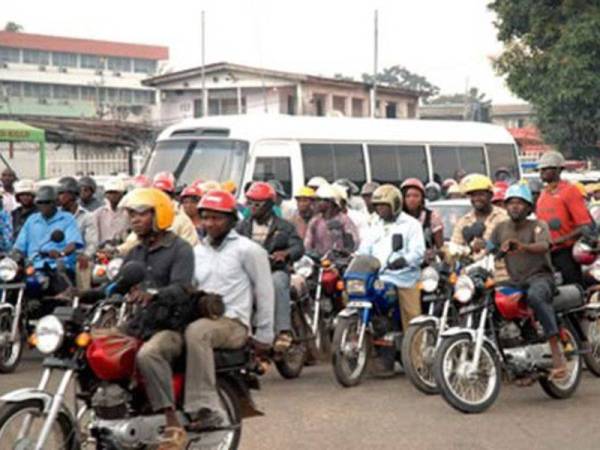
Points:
(334, 161)
(268, 168)
(447, 160)
(503, 155)
(393, 163)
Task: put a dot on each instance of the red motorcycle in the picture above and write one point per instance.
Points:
(111, 410)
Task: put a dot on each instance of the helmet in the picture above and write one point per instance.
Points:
(433, 191)
(218, 200)
(229, 186)
(191, 191)
(316, 182)
(88, 182)
(305, 192)
(351, 187)
(454, 189)
(141, 181)
(535, 185)
(476, 182)
(342, 193)
(449, 182)
(68, 184)
(278, 187)
(551, 159)
(260, 191)
(24, 187)
(500, 188)
(165, 181)
(328, 192)
(581, 188)
(583, 253)
(414, 183)
(519, 190)
(210, 185)
(142, 199)
(388, 195)
(369, 188)
(589, 188)
(114, 185)
(45, 194)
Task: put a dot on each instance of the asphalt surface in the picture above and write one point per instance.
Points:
(313, 412)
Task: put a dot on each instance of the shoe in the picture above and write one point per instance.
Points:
(174, 438)
(205, 419)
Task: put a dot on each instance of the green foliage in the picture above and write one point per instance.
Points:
(552, 59)
(13, 27)
(400, 77)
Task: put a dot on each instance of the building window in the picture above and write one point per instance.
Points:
(119, 64)
(89, 93)
(144, 66)
(10, 89)
(9, 54)
(63, 59)
(266, 169)
(520, 123)
(319, 102)
(391, 110)
(143, 97)
(126, 96)
(37, 90)
(339, 104)
(92, 62)
(394, 163)
(291, 105)
(66, 92)
(357, 107)
(334, 161)
(36, 57)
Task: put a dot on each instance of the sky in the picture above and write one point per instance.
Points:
(450, 42)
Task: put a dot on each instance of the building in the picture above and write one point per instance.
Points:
(520, 115)
(237, 89)
(67, 77)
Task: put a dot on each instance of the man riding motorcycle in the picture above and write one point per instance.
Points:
(87, 194)
(279, 238)
(35, 237)
(526, 243)
(170, 267)
(237, 269)
(305, 201)
(25, 196)
(112, 222)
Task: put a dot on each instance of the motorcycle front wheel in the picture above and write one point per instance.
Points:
(418, 353)
(349, 360)
(11, 352)
(22, 422)
(592, 359)
(565, 387)
(465, 390)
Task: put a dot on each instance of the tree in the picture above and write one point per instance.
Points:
(401, 77)
(13, 27)
(552, 59)
(342, 77)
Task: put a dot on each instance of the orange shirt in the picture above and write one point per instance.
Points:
(566, 204)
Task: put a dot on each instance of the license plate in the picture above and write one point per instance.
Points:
(359, 304)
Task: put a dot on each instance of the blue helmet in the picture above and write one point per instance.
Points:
(519, 190)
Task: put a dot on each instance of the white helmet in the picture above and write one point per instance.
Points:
(328, 192)
(316, 182)
(115, 185)
(25, 187)
(342, 193)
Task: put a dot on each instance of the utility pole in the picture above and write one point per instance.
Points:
(204, 93)
(375, 55)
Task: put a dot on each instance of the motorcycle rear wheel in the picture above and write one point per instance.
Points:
(10, 354)
(63, 435)
(418, 353)
(349, 364)
(292, 361)
(460, 392)
(592, 359)
(565, 388)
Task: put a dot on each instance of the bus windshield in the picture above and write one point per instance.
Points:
(207, 159)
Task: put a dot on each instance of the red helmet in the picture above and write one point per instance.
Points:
(218, 200)
(113, 357)
(583, 253)
(191, 191)
(500, 188)
(261, 191)
(165, 181)
(141, 181)
(413, 183)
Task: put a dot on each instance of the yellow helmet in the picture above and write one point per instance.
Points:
(581, 188)
(589, 188)
(229, 186)
(306, 192)
(476, 182)
(388, 194)
(142, 199)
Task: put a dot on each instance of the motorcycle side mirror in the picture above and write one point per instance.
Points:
(57, 236)
(554, 224)
(397, 242)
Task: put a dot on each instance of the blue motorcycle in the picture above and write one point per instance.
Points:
(370, 321)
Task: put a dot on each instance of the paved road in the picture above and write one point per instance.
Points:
(313, 412)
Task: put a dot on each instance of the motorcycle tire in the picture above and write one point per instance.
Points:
(66, 432)
(592, 359)
(344, 374)
(418, 362)
(447, 389)
(10, 355)
(292, 361)
(560, 389)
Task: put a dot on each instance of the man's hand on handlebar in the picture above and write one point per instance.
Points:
(137, 295)
(280, 256)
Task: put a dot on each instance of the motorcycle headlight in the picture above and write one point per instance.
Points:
(356, 287)
(304, 267)
(49, 333)
(464, 289)
(430, 279)
(8, 269)
(113, 268)
(594, 270)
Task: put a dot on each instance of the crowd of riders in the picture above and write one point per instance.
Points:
(241, 248)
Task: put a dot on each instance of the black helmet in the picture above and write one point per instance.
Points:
(45, 194)
(276, 184)
(68, 184)
(88, 182)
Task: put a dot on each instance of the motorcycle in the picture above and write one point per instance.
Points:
(501, 335)
(106, 264)
(370, 321)
(118, 414)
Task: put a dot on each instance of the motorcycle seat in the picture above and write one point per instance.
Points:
(567, 297)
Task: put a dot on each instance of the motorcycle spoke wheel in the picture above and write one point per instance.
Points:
(592, 359)
(10, 354)
(565, 387)
(418, 356)
(349, 360)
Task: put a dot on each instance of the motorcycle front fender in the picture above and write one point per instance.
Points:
(44, 397)
(348, 312)
(426, 319)
(472, 334)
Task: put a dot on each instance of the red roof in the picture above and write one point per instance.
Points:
(529, 139)
(87, 46)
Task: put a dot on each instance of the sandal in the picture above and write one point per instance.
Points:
(173, 438)
(558, 374)
(283, 342)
